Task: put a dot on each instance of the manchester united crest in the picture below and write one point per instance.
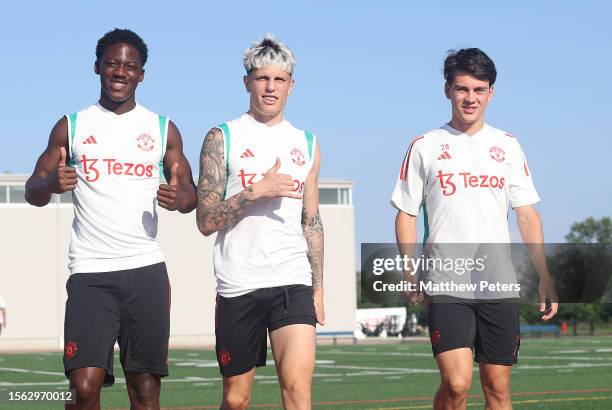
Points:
(297, 156)
(70, 350)
(225, 358)
(497, 154)
(435, 337)
(145, 142)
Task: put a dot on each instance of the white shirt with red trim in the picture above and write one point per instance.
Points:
(465, 184)
(118, 161)
(266, 247)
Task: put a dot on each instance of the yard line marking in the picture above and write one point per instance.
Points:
(371, 353)
(9, 369)
(188, 379)
(584, 358)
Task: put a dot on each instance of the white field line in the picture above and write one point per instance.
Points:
(362, 353)
(9, 369)
(189, 379)
(360, 371)
(213, 363)
(543, 357)
(577, 358)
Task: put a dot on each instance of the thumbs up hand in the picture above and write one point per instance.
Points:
(174, 174)
(171, 196)
(63, 178)
(275, 185)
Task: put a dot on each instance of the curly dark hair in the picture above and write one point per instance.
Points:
(471, 60)
(122, 36)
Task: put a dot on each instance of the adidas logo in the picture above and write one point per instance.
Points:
(247, 154)
(445, 155)
(90, 140)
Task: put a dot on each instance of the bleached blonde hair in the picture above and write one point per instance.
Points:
(269, 52)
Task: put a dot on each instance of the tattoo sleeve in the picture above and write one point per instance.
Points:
(313, 232)
(214, 213)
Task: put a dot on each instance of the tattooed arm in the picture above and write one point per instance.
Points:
(213, 212)
(313, 232)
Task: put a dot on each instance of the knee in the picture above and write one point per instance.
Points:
(497, 389)
(146, 393)
(236, 401)
(457, 388)
(297, 390)
(87, 389)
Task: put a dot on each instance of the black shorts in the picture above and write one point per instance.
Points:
(490, 329)
(241, 323)
(129, 306)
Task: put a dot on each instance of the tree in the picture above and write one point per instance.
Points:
(591, 231)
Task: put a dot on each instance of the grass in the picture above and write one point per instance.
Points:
(565, 373)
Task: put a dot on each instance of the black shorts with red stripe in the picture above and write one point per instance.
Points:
(131, 307)
(490, 329)
(241, 324)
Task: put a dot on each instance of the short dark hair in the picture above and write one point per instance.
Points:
(126, 36)
(471, 60)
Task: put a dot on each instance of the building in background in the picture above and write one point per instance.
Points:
(34, 249)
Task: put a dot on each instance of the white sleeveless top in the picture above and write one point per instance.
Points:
(266, 247)
(118, 161)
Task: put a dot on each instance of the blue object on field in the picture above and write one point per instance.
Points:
(538, 330)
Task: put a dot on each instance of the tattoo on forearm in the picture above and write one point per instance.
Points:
(313, 232)
(213, 212)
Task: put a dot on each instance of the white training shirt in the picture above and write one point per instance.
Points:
(266, 247)
(118, 161)
(464, 185)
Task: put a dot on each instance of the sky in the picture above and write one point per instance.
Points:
(368, 80)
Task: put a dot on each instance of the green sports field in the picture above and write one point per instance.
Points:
(564, 373)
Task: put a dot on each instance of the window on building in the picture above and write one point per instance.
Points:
(17, 195)
(345, 198)
(65, 198)
(328, 196)
(3, 195)
(334, 196)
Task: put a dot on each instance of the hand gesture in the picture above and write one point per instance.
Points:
(275, 185)
(172, 196)
(63, 178)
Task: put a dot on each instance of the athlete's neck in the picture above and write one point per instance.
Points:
(117, 107)
(467, 128)
(269, 120)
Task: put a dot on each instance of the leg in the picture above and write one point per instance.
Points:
(293, 348)
(455, 379)
(237, 391)
(495, 380)
(240, 332)
(143, 389)
(497, 346)
(144, 333)
(87, 383)
(88, 352)
(452, 328)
